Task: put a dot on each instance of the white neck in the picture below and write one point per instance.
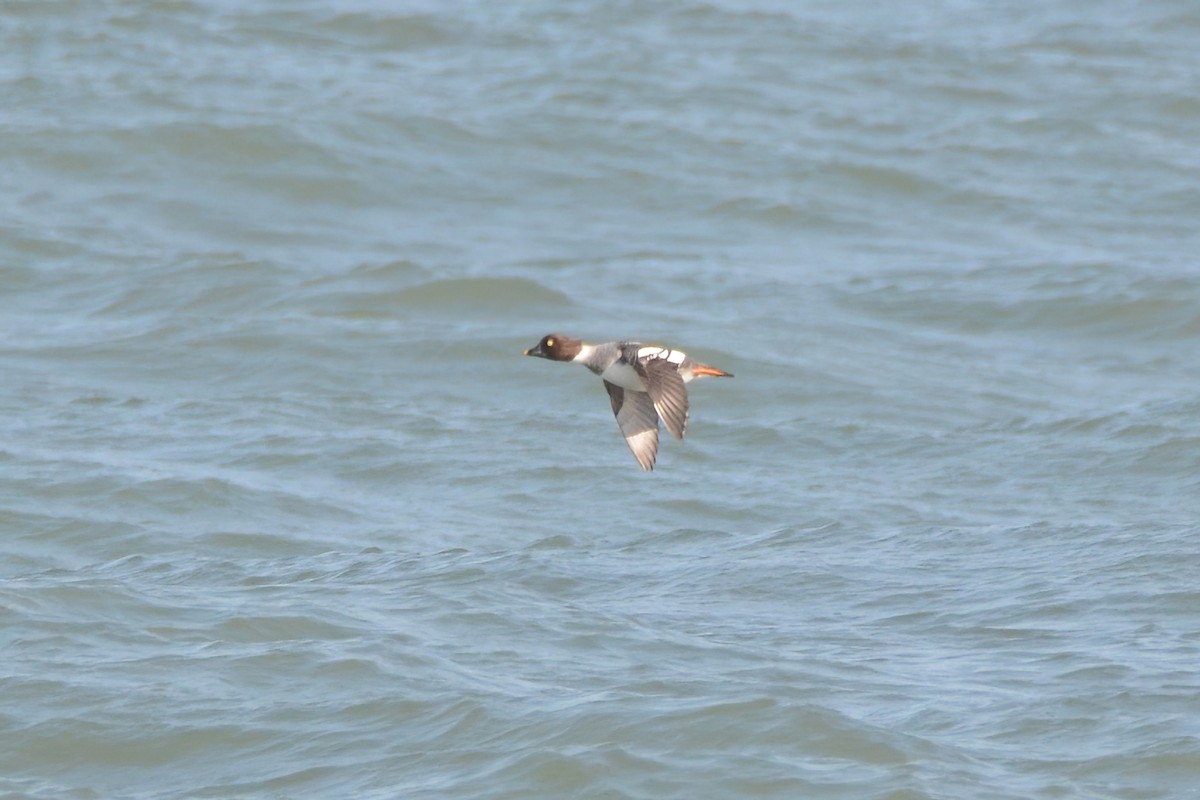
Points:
(585, 352)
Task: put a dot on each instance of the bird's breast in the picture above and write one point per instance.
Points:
(623, 375)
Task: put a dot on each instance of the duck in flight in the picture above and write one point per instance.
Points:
(645, 383)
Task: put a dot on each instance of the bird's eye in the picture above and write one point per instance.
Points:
(549, 343)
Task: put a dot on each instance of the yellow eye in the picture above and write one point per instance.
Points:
(549, 343)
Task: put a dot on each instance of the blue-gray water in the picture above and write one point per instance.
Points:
(285, 514)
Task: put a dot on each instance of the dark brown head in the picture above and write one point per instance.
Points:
(556, 347)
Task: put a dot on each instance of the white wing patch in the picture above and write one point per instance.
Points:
(650, 351)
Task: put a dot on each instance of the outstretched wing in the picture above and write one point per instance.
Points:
(666, 389)
(638, 422)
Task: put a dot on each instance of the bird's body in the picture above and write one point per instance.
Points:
(645, 384)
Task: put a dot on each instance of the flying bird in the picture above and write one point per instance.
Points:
(645, 383)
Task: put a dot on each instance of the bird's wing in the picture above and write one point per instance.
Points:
(666, 389)
(638, 422)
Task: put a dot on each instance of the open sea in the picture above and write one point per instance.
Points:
(284, 512)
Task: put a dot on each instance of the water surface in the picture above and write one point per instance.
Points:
(284, 513)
